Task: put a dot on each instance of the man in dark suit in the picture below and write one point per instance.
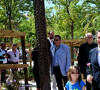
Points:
(93, 67)
(84, 54)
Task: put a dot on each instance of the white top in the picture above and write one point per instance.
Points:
(51, 42)
(98, 55)
(14, 57)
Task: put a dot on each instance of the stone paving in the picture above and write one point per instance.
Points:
(32, 85)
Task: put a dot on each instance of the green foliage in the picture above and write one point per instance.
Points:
(30, 73)
(84, 16)
(19, 21)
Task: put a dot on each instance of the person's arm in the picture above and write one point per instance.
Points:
(89, 78)
(84, 88)
(89, 69)
(68, 59)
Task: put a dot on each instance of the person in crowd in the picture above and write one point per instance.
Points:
(51, 37)
(36, 66)
(27, 54)
(75, 81)
(20, 54)
(3, 60)
(84, 55)
(74, 52)
(93, 65)
(13, 56)
(60, 61)
(51, 40)
(3, 53)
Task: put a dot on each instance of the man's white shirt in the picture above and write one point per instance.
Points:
(14, 57)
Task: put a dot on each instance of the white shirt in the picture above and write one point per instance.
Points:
(51, 42)
(99, 56)
(14, 57)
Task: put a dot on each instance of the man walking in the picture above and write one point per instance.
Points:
(60, 61)
(84, 55)
(93, 68)
(51, 40)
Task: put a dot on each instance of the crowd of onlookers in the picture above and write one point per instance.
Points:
(62, 73)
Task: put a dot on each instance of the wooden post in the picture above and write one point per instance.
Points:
(24, 61)
(30, 59)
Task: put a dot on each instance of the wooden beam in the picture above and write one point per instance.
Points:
(74, 42)
(11, 66)
(9, 34)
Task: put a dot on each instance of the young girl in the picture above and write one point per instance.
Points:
(75, 82)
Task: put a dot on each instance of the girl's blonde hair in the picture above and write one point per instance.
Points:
(71, 69)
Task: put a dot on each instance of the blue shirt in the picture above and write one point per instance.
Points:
(56, 58)
(1, 54)
(76, 86)
(61, 58)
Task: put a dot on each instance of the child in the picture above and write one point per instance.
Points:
(75, 82)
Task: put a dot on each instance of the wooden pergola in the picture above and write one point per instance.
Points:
(15, 34)
(11, 34)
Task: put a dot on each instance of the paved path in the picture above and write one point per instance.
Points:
(32, 85)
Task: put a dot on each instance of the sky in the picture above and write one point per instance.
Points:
(49, 4)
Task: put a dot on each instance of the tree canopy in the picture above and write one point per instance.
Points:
(71, 19)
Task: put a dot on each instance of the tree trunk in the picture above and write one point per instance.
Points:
(41, 35)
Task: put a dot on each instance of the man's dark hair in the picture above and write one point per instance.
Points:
(49, 32)
(57, 36)
(14, 44)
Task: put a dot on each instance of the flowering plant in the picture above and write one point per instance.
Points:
(89, 65)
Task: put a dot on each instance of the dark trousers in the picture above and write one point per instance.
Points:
(3, 74)
(1, 62)
(88, 85)
(61, 80)
(36, 76)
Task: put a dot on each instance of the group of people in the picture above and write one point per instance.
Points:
(68, 76)
(8, 57)
(62, 72)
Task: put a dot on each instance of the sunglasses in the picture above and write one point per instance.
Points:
(14, 54)
(75, 73)
(89, 37)
(56, 39)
